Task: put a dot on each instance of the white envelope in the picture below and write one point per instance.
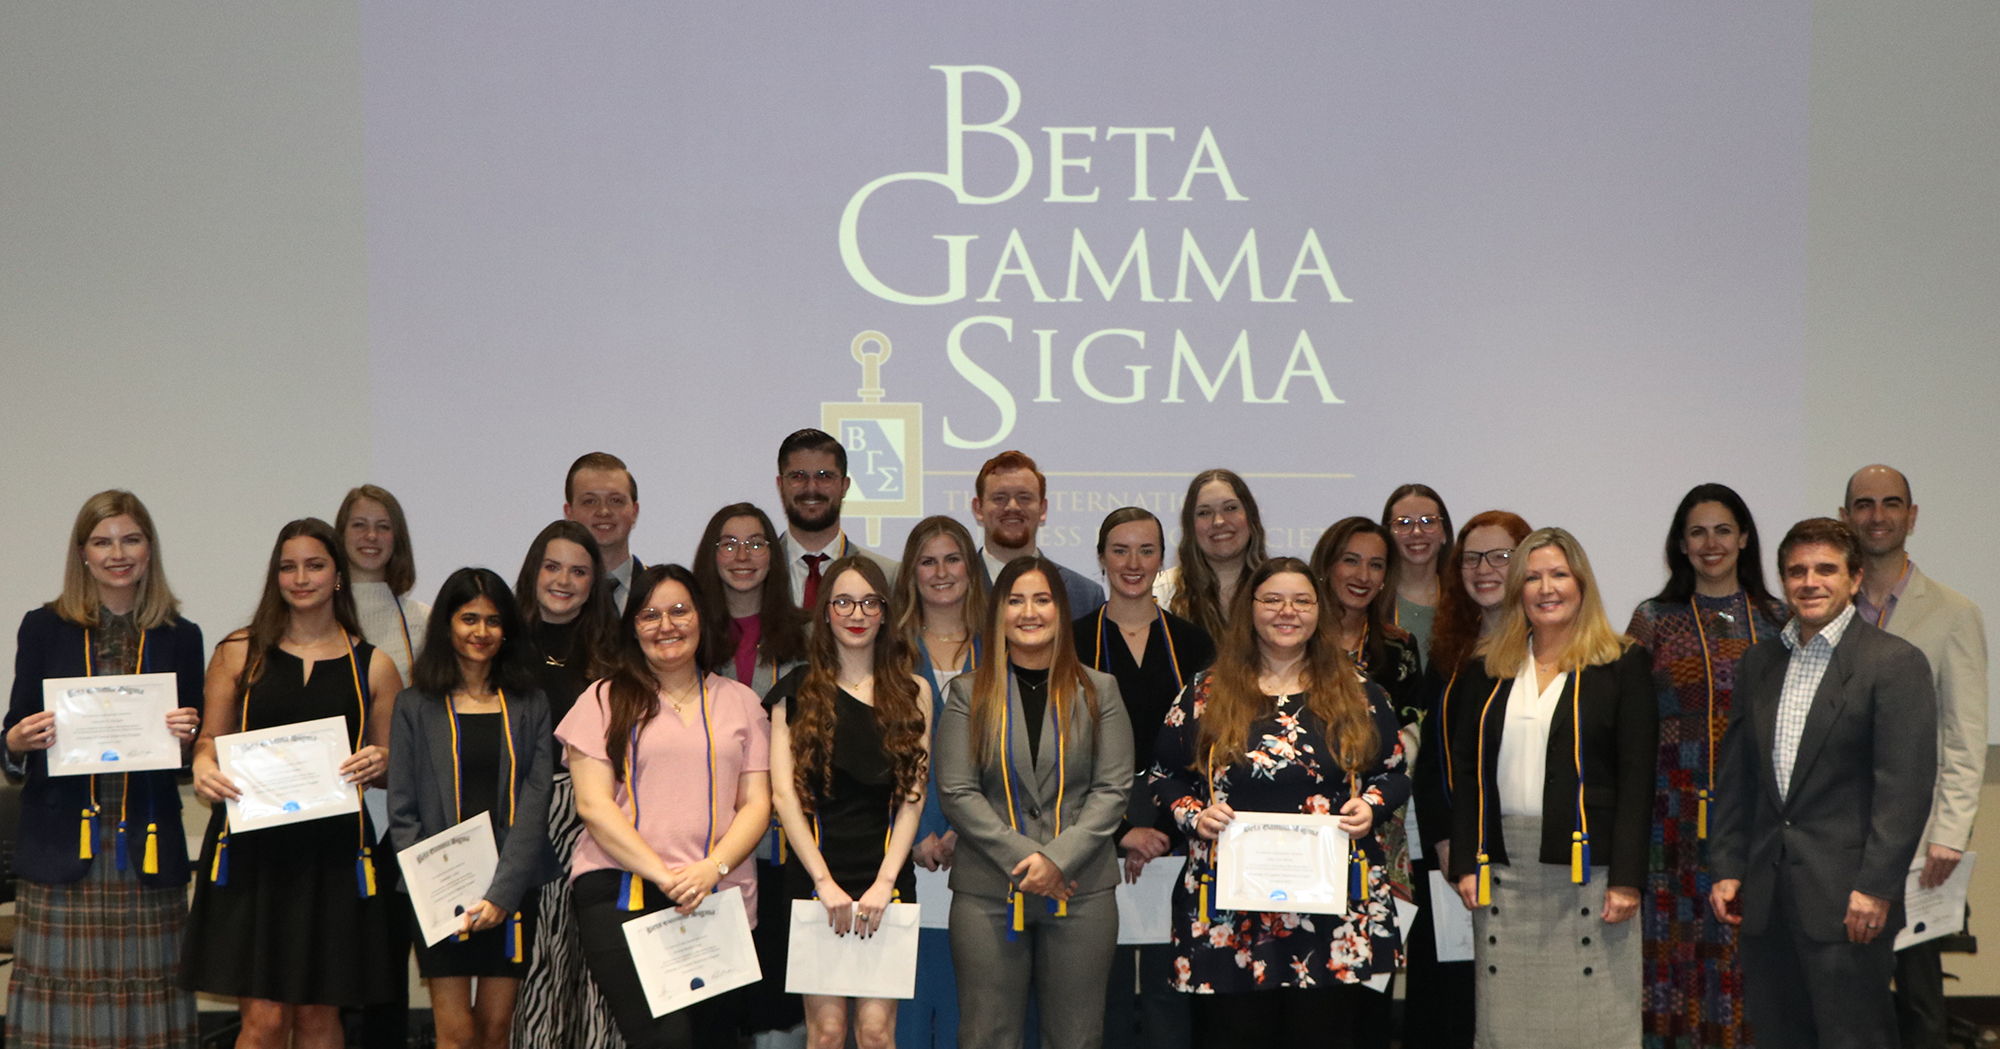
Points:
(687, 958)
(934, 896)
(883, 965)
(1146, 906)
(1451, 923)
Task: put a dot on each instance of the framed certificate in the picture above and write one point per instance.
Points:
(112, 723)
(1275, 861)
(687, 958)
(447, 873)
(288, 774)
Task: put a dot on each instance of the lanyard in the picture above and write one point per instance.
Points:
(631, 890)
(87, 829)
(1707, 793)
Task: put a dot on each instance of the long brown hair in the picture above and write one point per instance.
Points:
(781, 627)
(908, 603)
(78, 603)
(267, 625)
(989, 680)
(1199, 597)
(1455, 630)
(596, 638)
(1334, 693)
(1593, 640)
(401, 570)
(1381, 611)
(632, 692)
(1439, 564)
(898, 714)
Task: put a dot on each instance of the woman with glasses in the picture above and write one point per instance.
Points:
(1280, 724)
(1551, 823)
(1438, 997)
(1152, 654)
(671, 765)
(850, 736)
(1035, 761)
(940, 609)
(98, 933)
(1713, 607)
(1415, 515)
(763, 638)
(569, 632)
(1222, 540)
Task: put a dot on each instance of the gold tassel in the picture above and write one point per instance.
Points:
(1204, 899)
(83, 836)
(1020, 912)
(151, 864)
(1576, 857)
(1701, 817)
(1485, 896)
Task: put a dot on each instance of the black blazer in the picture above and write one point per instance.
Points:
(1620, 737)
(420, 789)
(1861, 782)
(50, 647)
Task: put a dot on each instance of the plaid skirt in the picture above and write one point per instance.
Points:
(96, 960)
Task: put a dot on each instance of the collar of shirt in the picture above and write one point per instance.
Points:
(1895, 597)
(622, 574)
(1832, 632)
(993, 567)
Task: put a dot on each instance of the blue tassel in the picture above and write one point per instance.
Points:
(123, 854)
(218, 872)
(364, 874)
(631, 893)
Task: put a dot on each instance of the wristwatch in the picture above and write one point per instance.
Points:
(721, 868)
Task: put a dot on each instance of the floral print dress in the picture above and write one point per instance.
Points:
(1286, 766)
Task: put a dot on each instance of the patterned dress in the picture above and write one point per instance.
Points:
(1288, 768)
(1694, 986)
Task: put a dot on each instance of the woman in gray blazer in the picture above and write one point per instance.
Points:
(1034, 762)
(473, 736)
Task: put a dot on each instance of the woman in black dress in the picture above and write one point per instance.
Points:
(473, 736)
(849, 751)
(296, 921)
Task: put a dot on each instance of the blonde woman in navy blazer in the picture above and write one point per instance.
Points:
(1034, 764)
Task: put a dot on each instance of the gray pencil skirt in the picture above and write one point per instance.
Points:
(1549, 972)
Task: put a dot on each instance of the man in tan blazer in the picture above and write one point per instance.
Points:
(1949, 630)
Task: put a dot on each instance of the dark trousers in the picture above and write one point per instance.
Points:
(600, 925)
(1437, 996)
(1321, 1017)
(1141, 1008)
(1801, 993)
(1920, 1011)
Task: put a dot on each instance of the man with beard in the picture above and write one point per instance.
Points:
(600, 494)
(812, 480)
(1899, 598)
(1010, 498)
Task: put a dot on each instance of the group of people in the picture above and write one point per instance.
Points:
(1711, 814)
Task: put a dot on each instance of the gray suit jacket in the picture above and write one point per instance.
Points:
(1947, 628)
(420, 789)
(1096, 781)
(1861, 783)
(1083, 593)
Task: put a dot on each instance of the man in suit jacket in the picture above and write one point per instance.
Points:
(1010, 497)
(1899, 598)
(1826, 777)
(812, 483)
(600, 494)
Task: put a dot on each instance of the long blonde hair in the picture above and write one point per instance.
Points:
(1591, 641)
(1334, 692)
(989, 680)
(79, 602)
(907, 599)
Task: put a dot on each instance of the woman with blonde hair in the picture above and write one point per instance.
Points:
(1555, 764)
(940, 613)
(1035, 762)
(101, 858)
(1281, 724)
(850, 747)
(1222, 541)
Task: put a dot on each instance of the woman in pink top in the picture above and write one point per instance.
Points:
(671, 765)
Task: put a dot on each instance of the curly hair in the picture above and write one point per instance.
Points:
(899, 712)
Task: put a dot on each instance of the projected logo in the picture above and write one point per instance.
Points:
(884, 442)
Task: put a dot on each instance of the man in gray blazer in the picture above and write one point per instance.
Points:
(1898, 597)
(1826, 778)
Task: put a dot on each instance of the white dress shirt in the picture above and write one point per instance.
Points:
(1524, 740)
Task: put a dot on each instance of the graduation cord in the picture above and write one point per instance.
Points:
(408, 652)
(1707, 793)
(631, 889)
(1059, 908)
(87, 829)
(510, 937)
(1173, 657)
(1579, 848)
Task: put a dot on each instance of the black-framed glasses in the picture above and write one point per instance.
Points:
(1498, 558)
(872, 605)
(1425, 523)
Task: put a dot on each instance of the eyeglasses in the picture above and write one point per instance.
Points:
(1426, 523)
(728, 547)
(798, 478)
(872, 605)
(650, 616)
(1277, 602)
(1497, 558)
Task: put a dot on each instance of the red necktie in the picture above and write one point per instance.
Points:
(813, 561)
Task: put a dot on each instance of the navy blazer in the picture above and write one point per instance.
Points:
(51, 807)
(421, 801)
(1620, 737)
(1853, 816)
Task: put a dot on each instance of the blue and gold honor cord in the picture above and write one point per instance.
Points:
(632, 889)
(87, 828)
(1059, 908)
(510, 944)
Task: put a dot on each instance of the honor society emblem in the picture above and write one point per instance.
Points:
(884, 443)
